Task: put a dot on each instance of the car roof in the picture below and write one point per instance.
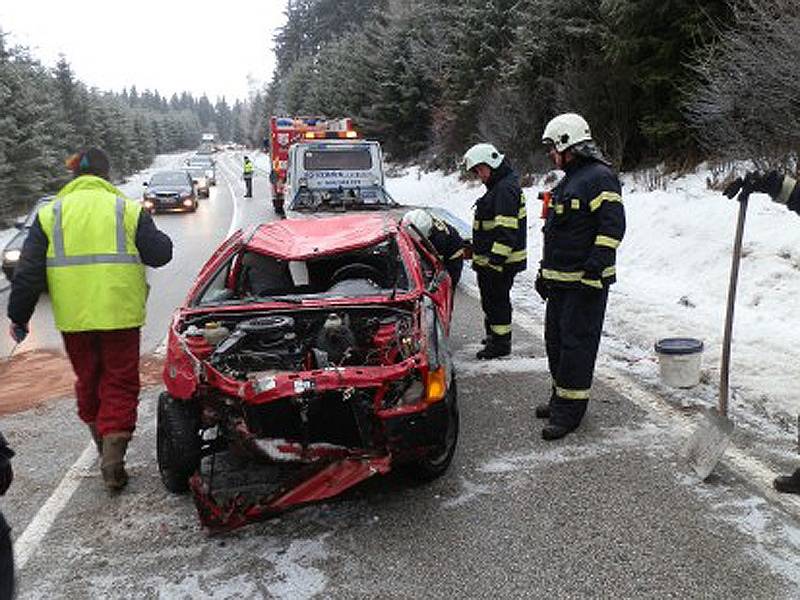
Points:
(300, 239)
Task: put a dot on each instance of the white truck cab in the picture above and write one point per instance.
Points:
(336, 174)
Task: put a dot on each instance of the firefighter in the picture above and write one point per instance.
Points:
(498, 243)
(444, 238)
(248, 177)
(584, 226)
(88, 249)
(6, 548)
(784, 190)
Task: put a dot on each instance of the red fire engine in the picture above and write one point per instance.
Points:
(284, 131)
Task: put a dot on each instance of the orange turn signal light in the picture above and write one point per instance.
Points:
(435, 385)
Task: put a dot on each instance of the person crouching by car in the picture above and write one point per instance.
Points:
(499, 239)
(444, 238)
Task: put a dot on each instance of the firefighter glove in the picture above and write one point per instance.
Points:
(767, 183)
(18, 332)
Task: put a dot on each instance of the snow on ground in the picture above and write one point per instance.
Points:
(673, 268)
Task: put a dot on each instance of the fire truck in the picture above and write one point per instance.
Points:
(284, 131)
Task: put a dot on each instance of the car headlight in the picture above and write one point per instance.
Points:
(149, 196)
(148, 204)
(185, 195)
(11, 255)
(187, 202)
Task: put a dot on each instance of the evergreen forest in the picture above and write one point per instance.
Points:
(661, 82)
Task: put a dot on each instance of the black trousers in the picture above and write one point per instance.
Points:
(248, 184)
(573, 324)
(495, 289)
(6, 561)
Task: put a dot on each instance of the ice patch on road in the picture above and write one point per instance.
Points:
(472, 367)
(297, 577)
(652, 438)
(776, 542)
(471, 491)
(195, 586)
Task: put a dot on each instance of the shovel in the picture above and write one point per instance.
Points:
(708, 443)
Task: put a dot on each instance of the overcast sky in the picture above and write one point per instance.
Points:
(169, 45)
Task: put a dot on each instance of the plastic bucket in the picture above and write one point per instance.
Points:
(679, 361)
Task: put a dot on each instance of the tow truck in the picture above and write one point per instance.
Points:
(285, 131)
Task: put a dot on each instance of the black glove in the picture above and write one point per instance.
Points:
(541, 287)
(767, 183)
(6, 474)
(755, 181)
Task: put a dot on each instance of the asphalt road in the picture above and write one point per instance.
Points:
(610, 511)
(607, 512)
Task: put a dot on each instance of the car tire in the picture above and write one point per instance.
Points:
(435, 464)
(178, 442)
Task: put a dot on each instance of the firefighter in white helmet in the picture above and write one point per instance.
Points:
(498, 243)
(584, 226)
(444, 238)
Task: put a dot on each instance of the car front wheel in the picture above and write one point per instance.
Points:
(436, 462)
(177, 442)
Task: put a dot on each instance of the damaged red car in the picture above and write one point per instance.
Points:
(308, 356)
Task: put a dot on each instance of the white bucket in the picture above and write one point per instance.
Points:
(679, 361)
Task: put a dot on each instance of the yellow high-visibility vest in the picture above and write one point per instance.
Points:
(95, 276)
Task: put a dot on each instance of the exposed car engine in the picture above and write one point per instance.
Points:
(303, 340)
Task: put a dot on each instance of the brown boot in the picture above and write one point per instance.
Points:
(98, 440)
(113, 463)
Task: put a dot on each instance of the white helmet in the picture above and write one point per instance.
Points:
(566, 130)
(482, 154)
(420, 219)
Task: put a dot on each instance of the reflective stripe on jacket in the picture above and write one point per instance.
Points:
(499, 229)
(584, 226)
(95, 276)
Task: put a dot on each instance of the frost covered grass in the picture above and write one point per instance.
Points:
(673, 268)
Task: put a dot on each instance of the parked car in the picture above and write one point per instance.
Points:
(13, 248)
(208, 163)
(200, 179)
(316, 356)
(170, 191)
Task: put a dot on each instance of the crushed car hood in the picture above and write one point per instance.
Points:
(300, 239)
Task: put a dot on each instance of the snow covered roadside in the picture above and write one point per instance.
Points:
(673, 268)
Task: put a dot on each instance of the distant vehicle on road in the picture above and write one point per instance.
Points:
(13, 248)
(200, 178)
(208, 163)
(170, 191)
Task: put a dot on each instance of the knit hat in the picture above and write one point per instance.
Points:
(92, 161)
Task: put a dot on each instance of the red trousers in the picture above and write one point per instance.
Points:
(106, 364)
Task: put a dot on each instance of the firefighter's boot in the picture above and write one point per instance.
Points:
(555, 432)
(113, 463)
(96, 437)
(788, 484)
(543, 411)
(497, 346)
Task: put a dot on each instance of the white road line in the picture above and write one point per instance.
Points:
(27, 544)
(235, 220)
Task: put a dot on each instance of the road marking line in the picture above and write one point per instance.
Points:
(27, 544)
